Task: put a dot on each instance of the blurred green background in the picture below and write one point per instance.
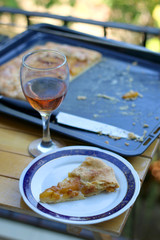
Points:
(138, 12)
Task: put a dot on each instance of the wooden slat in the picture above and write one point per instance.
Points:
(112, 227)
(15, 141)
(12, 165)
(10, 197)
(141, 165)
(150, 152)
(9, 122)
(13, 124)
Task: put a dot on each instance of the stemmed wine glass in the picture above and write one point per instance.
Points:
(44, 77)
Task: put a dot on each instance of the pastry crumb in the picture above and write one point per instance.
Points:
(100, 133)
(131, 95)
(81, 97)
(114, 137)
(106, 97)
(122, 108)
(134, 63)
(133, 105)
(143, 137)
(131, 136)
(130, 79)
(128, 67)
(106, 142)
(145, 125)
(127, 144)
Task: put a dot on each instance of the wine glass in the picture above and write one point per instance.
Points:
(44, 76)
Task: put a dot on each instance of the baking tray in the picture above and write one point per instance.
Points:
(123, 67)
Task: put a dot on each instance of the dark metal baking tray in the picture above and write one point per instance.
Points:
(123, 67)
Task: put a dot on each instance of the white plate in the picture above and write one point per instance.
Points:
(48, 169)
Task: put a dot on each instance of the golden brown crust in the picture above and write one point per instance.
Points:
(79, 59)
(9, 79)
(90, 178)
(93, 169)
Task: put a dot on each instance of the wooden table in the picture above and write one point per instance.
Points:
(15, 136)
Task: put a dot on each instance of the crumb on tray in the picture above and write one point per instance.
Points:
(95, 115)
(145, 125)
(122, 108)
(81, 97)
(106, 97)
(134, 63)
(131, 95)
(132, 136)
(114, 137)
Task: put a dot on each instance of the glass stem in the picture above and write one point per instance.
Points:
(46, 131)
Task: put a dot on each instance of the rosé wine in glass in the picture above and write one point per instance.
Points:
(44, 77)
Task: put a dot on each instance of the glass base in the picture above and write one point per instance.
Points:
(36, 147)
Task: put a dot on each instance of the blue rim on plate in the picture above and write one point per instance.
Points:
(132, 179)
